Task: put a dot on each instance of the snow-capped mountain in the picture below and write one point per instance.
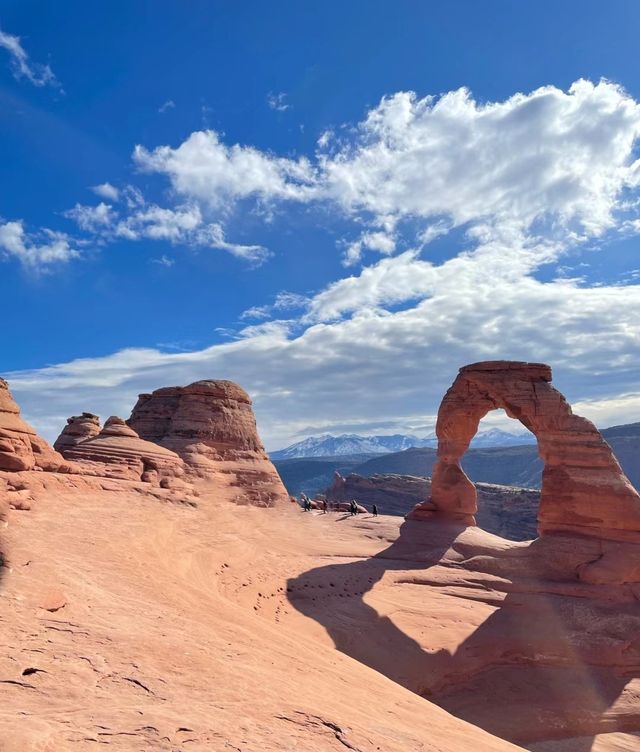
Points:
(334, 446)
(494, 437)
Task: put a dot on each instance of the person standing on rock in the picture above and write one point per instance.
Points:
(374, 510)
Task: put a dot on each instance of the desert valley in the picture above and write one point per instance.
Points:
(161, 590)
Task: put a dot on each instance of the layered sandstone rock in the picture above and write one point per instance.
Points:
(118, 452)
(211, 425)
(79, 428)
(584, 490)
(20, 446)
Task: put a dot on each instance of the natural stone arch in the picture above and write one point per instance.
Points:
(583, 487)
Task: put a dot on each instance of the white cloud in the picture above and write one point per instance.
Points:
(551, 166)
(169, 104)
(277, 102)
(284, 301)
(37, 253)
(374, 241)
(182, 225)
(204, 169)
(92, 218)
(553, 157)
(164, 261)
(378, 365)
(106, 191)
(23, 67)
(525, 181)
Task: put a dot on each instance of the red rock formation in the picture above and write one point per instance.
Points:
(118, 452)
(79, 428)
(20, 446)
(211, 425)
(584, 490)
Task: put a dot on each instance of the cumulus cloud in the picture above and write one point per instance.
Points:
(22, 66)
(549, 158)
(203, 168)
(523, 181)
(35, 252)
(92, 218)
(555, 167)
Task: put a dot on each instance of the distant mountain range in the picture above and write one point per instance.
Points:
(515, 465)
(350, 444)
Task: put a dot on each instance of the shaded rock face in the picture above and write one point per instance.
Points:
(79, 428)
(502, 510)
(20, 446)
(211, 425)
(118, 452)
(584, 490)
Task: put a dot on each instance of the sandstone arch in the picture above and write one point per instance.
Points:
(584, 490)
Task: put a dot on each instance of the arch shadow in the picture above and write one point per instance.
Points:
(527, 655)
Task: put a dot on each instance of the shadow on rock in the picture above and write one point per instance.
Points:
(548, 663)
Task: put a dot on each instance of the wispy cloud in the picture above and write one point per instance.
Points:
(23, 67)
(165, 261)
(166, 106)
(278, 102)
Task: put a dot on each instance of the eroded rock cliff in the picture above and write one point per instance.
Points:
(20, 446)
(211, 425)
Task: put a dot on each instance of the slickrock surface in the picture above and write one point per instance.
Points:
(216, 627)
(503, 510)
(584, 490)
(20, 447)
(173, 630)
(211, 425)
(79, 428)
(501, 634)
(118, 452)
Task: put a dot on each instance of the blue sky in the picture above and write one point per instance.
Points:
(300, 197)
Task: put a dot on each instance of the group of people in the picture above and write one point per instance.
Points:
(307, 506)
(323, 504)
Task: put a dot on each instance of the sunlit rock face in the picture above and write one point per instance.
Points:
(211, 425)
(79, 428)
(118, 452)
(584, 490)
(20, 446)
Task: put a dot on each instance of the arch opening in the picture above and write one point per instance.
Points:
(583, 488)
(504, 465)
